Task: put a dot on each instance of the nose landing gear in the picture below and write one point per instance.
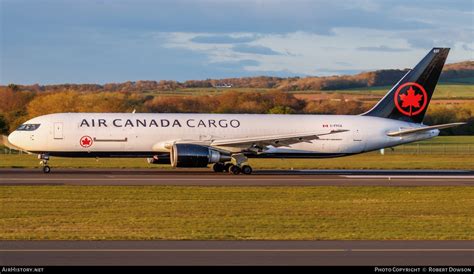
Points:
(44, 162)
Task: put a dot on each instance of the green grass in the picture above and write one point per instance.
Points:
(451, 140)
(363, 161)
(450, 152)
(446, 90)
(202, 91)
(465, 80)
(443, 91)
(228, 213)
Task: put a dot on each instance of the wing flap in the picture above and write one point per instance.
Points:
(274, 140)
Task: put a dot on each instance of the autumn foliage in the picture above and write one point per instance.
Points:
(19, 103)
(364, 79)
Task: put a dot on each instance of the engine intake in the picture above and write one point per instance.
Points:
(190, 155)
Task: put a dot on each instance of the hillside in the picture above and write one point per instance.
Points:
(462, 72)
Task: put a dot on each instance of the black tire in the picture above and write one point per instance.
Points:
(234, 170)
(46, 169)
(218, 167)
(227, 167)
(247, 170)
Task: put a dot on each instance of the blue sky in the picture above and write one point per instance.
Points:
(100, 41)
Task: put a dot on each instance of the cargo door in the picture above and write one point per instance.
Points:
(358, 141)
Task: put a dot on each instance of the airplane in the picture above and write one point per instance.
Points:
(227, 141)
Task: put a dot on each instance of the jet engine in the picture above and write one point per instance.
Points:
(159, 159)
(190, 155)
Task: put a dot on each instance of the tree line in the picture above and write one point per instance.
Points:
(365, 79)
(17, 106)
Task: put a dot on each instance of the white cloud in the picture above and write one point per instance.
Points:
(303, 53)
(365, 5)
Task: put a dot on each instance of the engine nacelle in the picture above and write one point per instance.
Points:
(190, 155)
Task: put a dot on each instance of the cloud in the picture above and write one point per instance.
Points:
(347, 50)
(254, 50)
(328, 71)
(97, 41)
(222, 39)
(383, 48)
(235, 65)
(467, 47)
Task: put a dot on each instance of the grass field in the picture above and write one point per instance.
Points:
(227, 213)
(450, 152)
(363, 161)
(443, 91)
(465, 80)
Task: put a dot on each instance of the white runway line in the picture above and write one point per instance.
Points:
(409, 177)
(367, 178)
(170, 179)
(246, 250)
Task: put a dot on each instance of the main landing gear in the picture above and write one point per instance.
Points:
(44, 162)
(237, 165)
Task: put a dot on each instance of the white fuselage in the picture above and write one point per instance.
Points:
(142, 134)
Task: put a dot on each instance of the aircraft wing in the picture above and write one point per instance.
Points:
(274, 140)
(421, 129)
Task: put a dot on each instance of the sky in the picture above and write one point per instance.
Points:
(102, 41)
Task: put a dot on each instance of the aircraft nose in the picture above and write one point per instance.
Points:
(13, 138)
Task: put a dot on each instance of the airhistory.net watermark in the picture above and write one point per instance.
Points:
(13, 269)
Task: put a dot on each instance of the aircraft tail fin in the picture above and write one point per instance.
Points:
(409, 98)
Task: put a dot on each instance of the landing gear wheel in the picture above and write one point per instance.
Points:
(234, 170)
(246, 170)
(227, 167)
(46, 169)
(218, 167)
(44, 157)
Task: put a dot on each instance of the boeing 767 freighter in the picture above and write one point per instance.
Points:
(228, 140)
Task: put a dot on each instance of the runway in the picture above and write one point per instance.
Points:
(361, 252)
(237, 253)
(204, 177)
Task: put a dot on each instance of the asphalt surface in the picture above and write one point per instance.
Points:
(237, 253)
(204, 177)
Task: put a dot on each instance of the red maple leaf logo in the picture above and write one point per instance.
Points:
(86, 141)
(411, 99)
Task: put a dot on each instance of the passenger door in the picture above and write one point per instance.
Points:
(58, 130)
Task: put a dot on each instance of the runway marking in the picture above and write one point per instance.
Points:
(458, 178)
(241, 250)
(408, 177)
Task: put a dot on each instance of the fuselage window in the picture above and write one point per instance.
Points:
(28, 127)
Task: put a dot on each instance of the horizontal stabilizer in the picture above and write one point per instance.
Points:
(421, 129)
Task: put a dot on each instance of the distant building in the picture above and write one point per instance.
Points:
(223, 85)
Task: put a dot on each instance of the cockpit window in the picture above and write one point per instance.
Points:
(28, 127)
